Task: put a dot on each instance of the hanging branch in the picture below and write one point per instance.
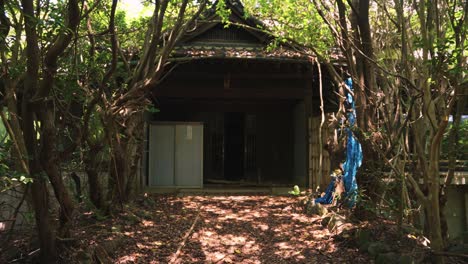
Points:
(114, 45)
(12, 135)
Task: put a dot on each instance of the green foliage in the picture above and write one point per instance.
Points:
(54, 22)
(96, 128)
(295, 20)
(366, 208)
(152, 109)
(295, 191)
(13, 179)
(9, 177)
(223, 12)
(461, 144)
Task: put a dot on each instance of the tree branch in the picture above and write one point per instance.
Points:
(5, 25)
(114, 45)
(58, 47)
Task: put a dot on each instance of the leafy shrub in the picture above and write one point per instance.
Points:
(295, 191)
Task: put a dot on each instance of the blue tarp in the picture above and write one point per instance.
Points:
(328, 197)
(353, 158)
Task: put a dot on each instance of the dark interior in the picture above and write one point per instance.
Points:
(234, 146)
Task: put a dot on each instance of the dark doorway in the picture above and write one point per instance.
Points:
(234, 146)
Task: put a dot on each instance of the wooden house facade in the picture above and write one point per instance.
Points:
(232, 111)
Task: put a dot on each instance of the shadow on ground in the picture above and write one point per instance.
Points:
(225, 229)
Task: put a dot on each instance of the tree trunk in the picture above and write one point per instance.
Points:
(359, 79)
(437, 242)
(51, 163)
(40, 201)
(119, 162)
(118, 175)
(92, 171)
(135, 150)
(125, 156)
(39, 192)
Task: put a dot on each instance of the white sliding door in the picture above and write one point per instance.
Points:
(161, 155)
(176, 155)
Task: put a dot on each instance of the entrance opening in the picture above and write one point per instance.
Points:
(252, 144)
(234, 146)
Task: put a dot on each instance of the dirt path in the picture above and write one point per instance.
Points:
(224, 229)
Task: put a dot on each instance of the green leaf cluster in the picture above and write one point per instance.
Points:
(9, 177)
(292, 20)
(296, 191)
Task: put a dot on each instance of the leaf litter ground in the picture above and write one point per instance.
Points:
(216, 229)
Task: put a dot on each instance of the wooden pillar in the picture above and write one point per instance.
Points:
(314, 151)
(466, 215)
(143, 171)
(308, 125)
(326, 170)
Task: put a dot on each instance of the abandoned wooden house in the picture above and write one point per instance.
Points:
(231, 111)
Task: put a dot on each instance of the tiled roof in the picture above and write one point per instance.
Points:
(244, 52)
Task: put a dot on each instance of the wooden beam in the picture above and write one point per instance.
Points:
(244, 75)
(180, 91)
(168, 105)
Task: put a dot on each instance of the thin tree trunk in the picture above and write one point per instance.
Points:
(51, 162)
(92, 162)
(40, 202)
(95, 189)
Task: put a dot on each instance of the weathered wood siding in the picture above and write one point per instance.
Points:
(318, 171)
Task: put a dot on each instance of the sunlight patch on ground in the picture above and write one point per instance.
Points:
(300, 218)
(147, 223)
(130, 234)
(133, 258)
(226, 247)
(287, 250)
(263, 227)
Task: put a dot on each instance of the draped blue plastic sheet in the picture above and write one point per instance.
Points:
(353, 158)
(328, 197)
